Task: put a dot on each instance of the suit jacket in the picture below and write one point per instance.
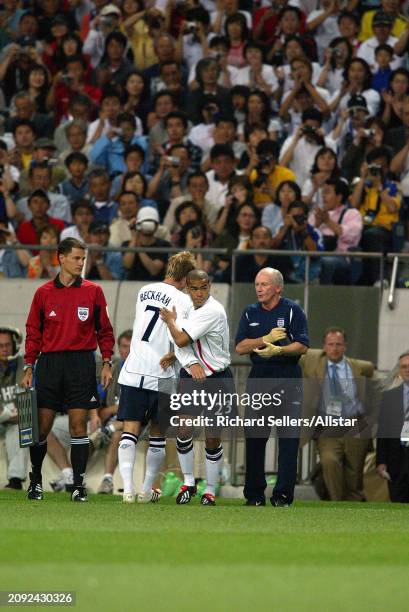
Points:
(389, 449)
(314, 368)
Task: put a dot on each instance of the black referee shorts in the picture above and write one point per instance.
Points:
(66, 379)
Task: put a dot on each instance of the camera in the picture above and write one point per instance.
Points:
(107, 21)
(173, 160)
(278, 58)
(308, 130)
(196, 232)
(369, 216)
(118, 131)
(300, 219)
(190, 27)
(374, 170)
(66, 79)
(335, 52)
(369, 133)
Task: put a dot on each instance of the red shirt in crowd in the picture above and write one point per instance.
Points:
(27, 233)
(73, 318)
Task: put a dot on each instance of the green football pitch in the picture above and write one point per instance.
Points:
(313, 556)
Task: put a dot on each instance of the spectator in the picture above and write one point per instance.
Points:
(187, 212)
(193, 40)
(378, 200)
(396, 138)
(358, 78)
(109, 150)
(367, 138)
(119, 230)
(134, 98)
(134, 158)
(110, 109)
(248, 266)
(255, 74)
(45, 264)
(325, 167)
(38, 205)
(392, 437)
(39, 177)
(37, 87)
(267, 175)
(252, 136)
(145, 266)
(299, 235)
(13, 262)
(176, 126)
(223, 164)
(394, 98)
(193, 236)
(170, 180)
(135, 181)
(163, 104)
(341, 229)
(207, 75)
(257, 111)
(25, 110)
(382, 24)
(104, 209)
(114, 67)
(391, 7)
(337, 56)
(340, 386)
(275, 215)
(44, 153)
(24, 137)
(197, 187)
(82, 216)
(75, 187)
(106, 22)
(171, 79)
(236, 32)
(80, 112)
(165, 50)
(142, 27)
(349, 24)
(102, 265)
(240, 192)
(324, 24)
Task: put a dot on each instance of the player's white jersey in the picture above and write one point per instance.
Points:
(208, 328)
(150, 338)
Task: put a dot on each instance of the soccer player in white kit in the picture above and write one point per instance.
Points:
(142, 371)
(206, 332)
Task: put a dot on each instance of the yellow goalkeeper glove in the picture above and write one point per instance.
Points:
(271, 350)
(275, 335)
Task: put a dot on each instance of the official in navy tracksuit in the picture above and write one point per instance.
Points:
(274, 332)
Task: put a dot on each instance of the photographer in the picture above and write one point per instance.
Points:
(367, 138)
(192, 43)
(141, 28)
(144, 266)
(378, 200)
(102, 266)
(299, 150)
(106, 22)
(170, 180)
(267, 175)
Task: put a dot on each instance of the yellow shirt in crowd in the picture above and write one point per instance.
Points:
(280, 174)
(384, 218)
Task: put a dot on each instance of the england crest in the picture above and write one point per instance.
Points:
(83, 313)
(280, 322)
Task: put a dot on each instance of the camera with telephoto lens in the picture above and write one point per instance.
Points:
(369, 133)
(374, 170)
(107, 21)
(300, 219)
(173, 160)
(196, 232)
(190, 27)
(263, 170)
(369, 217)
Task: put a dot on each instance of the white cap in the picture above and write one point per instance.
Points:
(147, 213)
(110, 9)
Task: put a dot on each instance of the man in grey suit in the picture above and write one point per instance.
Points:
(392, 449)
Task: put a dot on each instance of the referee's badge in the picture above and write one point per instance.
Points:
(280, 322)
(83, 313)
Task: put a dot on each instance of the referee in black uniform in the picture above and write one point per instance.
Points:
(274, 332)
(68, 318)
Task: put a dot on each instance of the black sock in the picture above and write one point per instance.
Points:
(79, 458)
(37, 454)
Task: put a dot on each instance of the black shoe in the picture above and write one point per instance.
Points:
(14, 483)
(35, 488)
(255, 502)
(185, 494)
(280, 502)
(208, 500)
(79, 494)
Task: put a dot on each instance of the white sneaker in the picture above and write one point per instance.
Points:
(106, 487)
(128, 498)
(153, 496)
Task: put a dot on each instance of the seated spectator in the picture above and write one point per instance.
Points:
(394, 98)
(349, 24)
(325, 167)
(101, 265)
(104, 21)
(38, 204)
(237, 33)
(170, 180)
(193, 236)
(37, 86)
(82, 216)
(350, 122)
(367, 138)
(382, 24)
(323, 23)
(13, 263)
(186, 212)
(235, 236)
(248, 266)
(341, 229)
(197, 186)
(10, 174)
(392, 9)
(358, 78)
(45, 264)
(275, 216)
(114, 67)
(135, 97)
(119, 230)
(109, 150)
(145, 266)
(104, 209)
(299, 235)
(201, 135)
(165, 49)
(397, 137)
(291, 21)
(266, 20)
(39, 177)
(218, 49)
(67, 85)
(255, 74)
(383, 70)
(110, 109)
(24, 137)
(76, 186)
(135, 181)
(134, 158)
(223, 165)
(79, 111)
(176, 126)
(44, 152)
(25, 109)
(207, 75)
(171, 79)
(67, 46)
(267, 175)
(258, 111)
(378, 200)
(163, 104)
(240, 192)
(336, 57)
(252, 136)
(391, 445)
(294, 48)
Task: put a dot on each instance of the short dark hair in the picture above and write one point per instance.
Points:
(134, 148)
(38, 193)
(126, 118)
(82, 203)
(312, 114)
(131, 193)
(161, 94)
(334, 329)
(76, 157)
(219, 150)
(340, 187)
(188, 204)
(43, 165)
(299, 204)
(68, 244)
(125, 334)
(226, 119)
(379, 152)
(19, 122)
(384, 47)
(98, 173)
(176, 115)
(76, 58)
(197, 174)
(268, 147)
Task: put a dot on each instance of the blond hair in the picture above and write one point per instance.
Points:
(180, 265)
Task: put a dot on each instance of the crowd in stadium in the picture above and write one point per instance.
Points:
(230, 123)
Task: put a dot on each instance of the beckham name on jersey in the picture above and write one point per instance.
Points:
(158, 296)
